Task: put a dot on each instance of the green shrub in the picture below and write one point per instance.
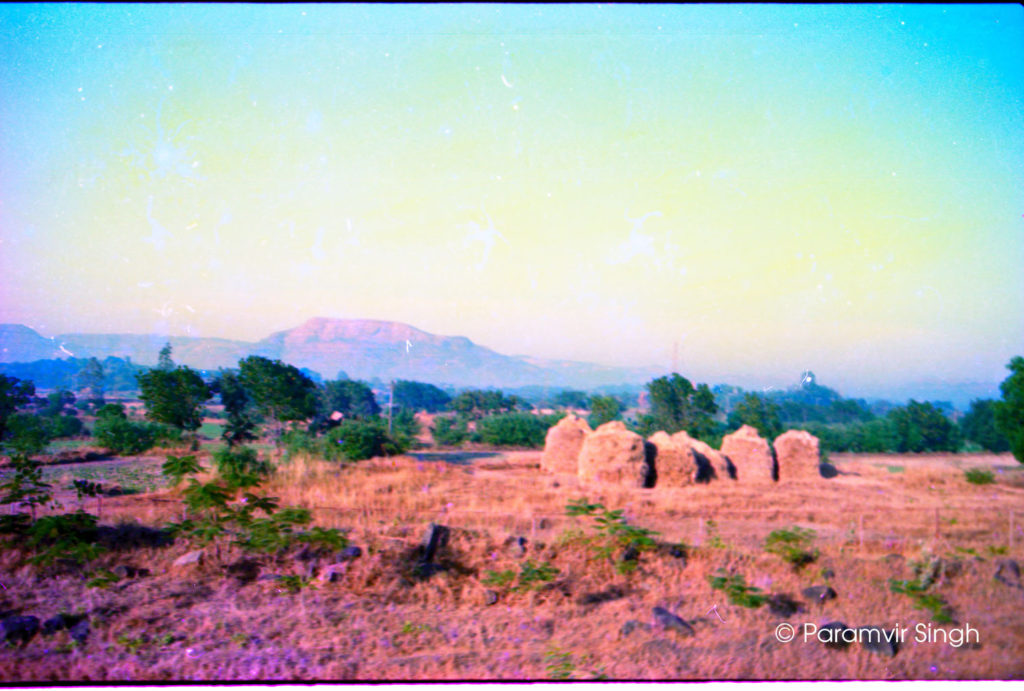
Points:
(515, 429)
(122, 436)
(449, 431)
(793, 545)
(241, 467)
(358, 440)
(298, 441)
(979, 476)
(736, 589)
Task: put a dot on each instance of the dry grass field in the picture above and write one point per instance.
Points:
(380, 620)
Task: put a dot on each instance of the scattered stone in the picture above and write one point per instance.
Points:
(782, 605)
(435, 540)
(54, 624)
(332, 573)
(675, 461)
(245, 570)
(490, 597)
(631, 553)
(751, 455)
(1008, 573)
(562, 445)
(195, 557)
(798, 455)
(632, 625)
(268, 577)
(614, 455)
(831, 634)
(828, 573)
(349, 553)
(80, 631)
(125, 571)
(19, 628)
(671, 622)
(875, 639)
(612, 593)
(819, 593)
(114, 491)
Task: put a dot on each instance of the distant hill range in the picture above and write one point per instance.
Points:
(361, 348)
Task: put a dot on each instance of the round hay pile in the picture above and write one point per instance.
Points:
(750, 454)
(562, 445)
(798, 454)
(614, 455)
(674, 462)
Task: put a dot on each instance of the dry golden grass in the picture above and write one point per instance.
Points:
(380, 622)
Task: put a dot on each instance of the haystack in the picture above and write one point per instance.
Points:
(710, 463)
(750, 454)
(562, 445)
(614, 455)
(798, 455)
(675, 462)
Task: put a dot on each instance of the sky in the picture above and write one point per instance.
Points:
(744, 191)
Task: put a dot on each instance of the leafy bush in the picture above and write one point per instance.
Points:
(357, 440)
(530, 576)
(793, 545)
(614, 533)
(923, 600)
(124, 437)
(978, 476)
(450, 431)
(299, 441)
(241, 467)
(736, 589)
(515, 429)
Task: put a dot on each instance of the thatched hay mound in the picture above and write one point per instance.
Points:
(711, 464)
(750, 454)
(798, 455)
(562, 445)
(675, 462)
(614, 455)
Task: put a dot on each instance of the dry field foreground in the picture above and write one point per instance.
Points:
(379, 621)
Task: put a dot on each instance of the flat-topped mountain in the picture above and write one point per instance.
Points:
(362, 348)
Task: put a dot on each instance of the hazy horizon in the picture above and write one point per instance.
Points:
(764, 189)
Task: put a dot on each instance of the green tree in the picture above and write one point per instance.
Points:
(14, 393)
(676, 405)
(164, 361)
(1009, 412)
(603, 409)
(92, 379)
(415, 396)
(114, 431)
(174, 396)
(240, 425)
(922, 427)
(279, 391)
(450, 431)
(759, 412)
(515, 429)
(475, 403)
(353, 399)
(572, 399)
(357, 440)
(979, 426)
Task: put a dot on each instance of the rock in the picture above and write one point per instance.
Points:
(54, 624)
(80, 631)
(349, 553)
(307, 553)
(245, 570)
(783, 605)
(332, 573)
(612, 593)
(562, 445)
(19, 628)
(1008, 573)
(798, 456)
(878, 640)
(631, 626)
(195, 557)
(614, 455)
(114, 491)
(435, 540)
(670, 621)
(631, 553)
(268, 577)
(750, 454)
(827, 574)
(819, 593)
(831, 634)
(676, 464)
(516, 544)
(490, 597)
(125, 571)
